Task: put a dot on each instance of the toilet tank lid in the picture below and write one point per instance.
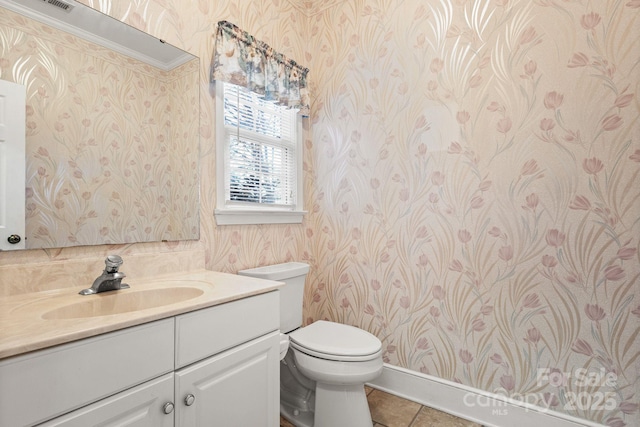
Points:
(277, 271)
(337, 339)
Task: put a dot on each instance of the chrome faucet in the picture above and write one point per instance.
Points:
(110, 279)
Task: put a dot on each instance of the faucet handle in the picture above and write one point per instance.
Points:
(113, 262)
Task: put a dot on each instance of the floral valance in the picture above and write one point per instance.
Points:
(240, 59)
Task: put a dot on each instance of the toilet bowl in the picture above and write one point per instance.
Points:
(322, 374)
(339, 359)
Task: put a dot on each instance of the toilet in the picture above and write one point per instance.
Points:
(323, 366)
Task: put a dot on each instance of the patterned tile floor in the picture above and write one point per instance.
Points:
(388, 410)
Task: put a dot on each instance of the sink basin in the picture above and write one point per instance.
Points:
(125, 301)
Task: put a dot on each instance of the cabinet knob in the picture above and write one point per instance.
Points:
(167, 408)
(189, 399)
(13, 239)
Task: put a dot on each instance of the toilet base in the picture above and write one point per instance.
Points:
(341, 405)
(335, 406)
(295, 416)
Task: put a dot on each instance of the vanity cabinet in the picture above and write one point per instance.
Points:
(215, 366)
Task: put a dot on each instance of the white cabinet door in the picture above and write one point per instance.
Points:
(237, 388)
(141, 406)
(12, 164)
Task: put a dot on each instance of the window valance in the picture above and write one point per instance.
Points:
(240, 59)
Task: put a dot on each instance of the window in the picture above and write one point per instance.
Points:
(259, 159)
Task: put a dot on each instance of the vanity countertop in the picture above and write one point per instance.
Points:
(33, 321)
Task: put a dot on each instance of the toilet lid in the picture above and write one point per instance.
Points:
(335, 341)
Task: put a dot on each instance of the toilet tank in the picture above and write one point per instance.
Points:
(293, 275)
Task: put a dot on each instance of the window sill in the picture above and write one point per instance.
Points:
(242, 217)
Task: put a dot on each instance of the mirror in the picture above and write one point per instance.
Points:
(112, 126)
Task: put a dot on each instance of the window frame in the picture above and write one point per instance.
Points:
(261, 213)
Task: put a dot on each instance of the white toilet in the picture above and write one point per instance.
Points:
(322, 375)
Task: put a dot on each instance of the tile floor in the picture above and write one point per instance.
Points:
(388, 410)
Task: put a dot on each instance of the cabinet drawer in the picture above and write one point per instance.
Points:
(141, 406)
(41, 385)
(209, 331)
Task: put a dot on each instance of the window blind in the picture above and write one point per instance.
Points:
(260, 137)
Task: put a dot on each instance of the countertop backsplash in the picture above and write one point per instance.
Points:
(80, 272)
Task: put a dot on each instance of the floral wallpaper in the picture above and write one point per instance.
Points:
(190, 26)
(474, 188)
(105, 136)
(471, 172)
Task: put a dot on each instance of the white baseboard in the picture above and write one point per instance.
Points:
(488, 409)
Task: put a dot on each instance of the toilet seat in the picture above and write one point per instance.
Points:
(336, 341)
